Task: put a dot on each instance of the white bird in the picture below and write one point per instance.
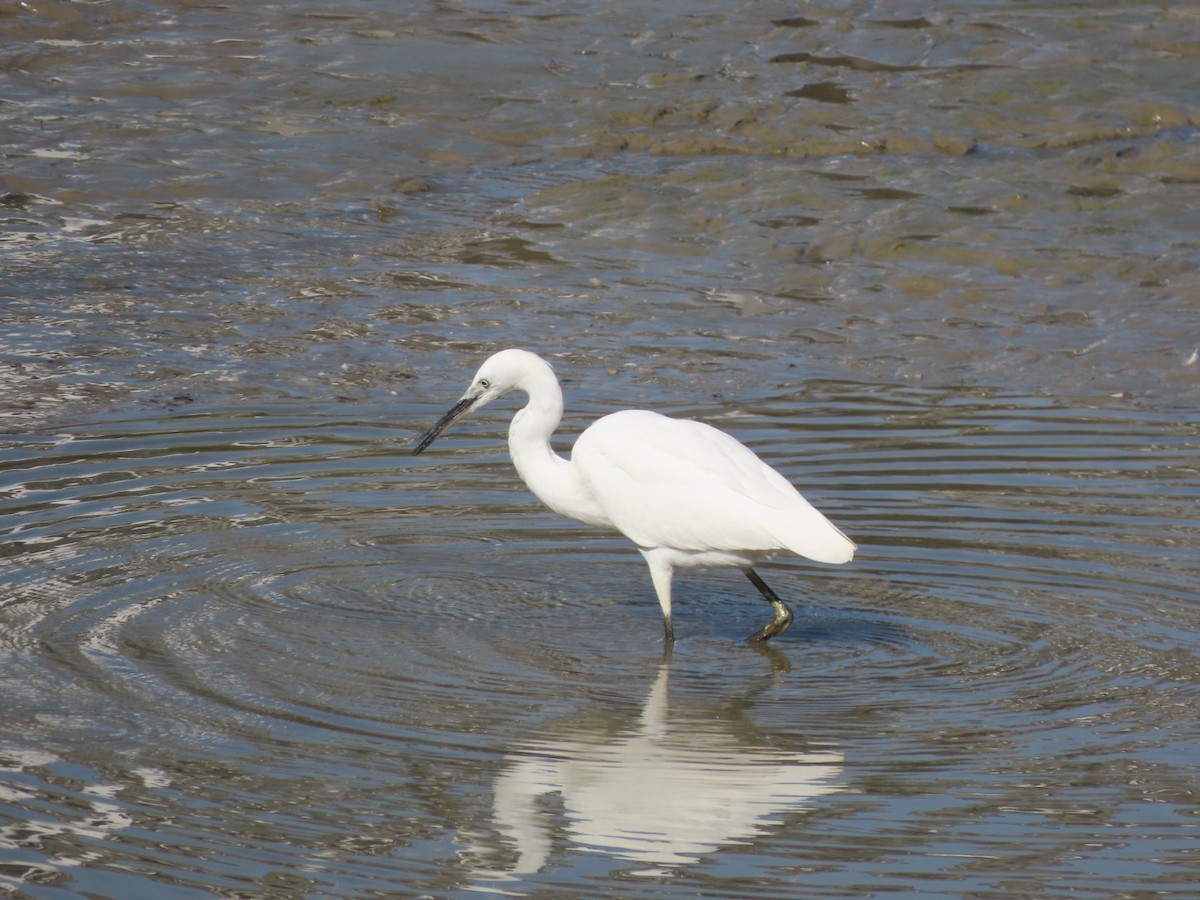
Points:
(685, 493)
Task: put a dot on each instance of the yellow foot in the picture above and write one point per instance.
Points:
(780, 624)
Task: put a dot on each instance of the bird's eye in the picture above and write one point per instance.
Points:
(484, 383)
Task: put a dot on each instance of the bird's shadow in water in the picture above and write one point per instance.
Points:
(823, 627)
(814, 625)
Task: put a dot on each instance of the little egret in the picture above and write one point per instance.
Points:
(685, 493)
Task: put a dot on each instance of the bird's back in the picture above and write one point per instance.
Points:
(682, 484)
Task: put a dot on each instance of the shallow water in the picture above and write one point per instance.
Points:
(940, 270)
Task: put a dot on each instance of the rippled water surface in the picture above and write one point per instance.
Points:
(939, 268)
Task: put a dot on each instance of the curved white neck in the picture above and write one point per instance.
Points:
(551, 477)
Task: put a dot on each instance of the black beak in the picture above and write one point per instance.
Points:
(453, 414)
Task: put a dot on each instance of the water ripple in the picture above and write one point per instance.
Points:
(216, 586)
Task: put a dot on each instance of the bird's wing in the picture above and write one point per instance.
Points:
(667, 482)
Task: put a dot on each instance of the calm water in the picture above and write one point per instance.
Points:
(940, 269)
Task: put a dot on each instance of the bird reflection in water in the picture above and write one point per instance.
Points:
(662, 794)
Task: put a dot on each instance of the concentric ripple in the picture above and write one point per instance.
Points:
(278, 638)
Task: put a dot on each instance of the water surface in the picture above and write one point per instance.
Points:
(939, 268)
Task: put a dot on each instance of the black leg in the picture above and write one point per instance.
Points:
(783, 615)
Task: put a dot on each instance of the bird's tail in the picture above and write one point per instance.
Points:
(811, 535)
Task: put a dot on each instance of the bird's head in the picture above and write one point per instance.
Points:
(500, 373)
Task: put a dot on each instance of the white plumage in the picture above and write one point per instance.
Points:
(686, 485)
(684, 492)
